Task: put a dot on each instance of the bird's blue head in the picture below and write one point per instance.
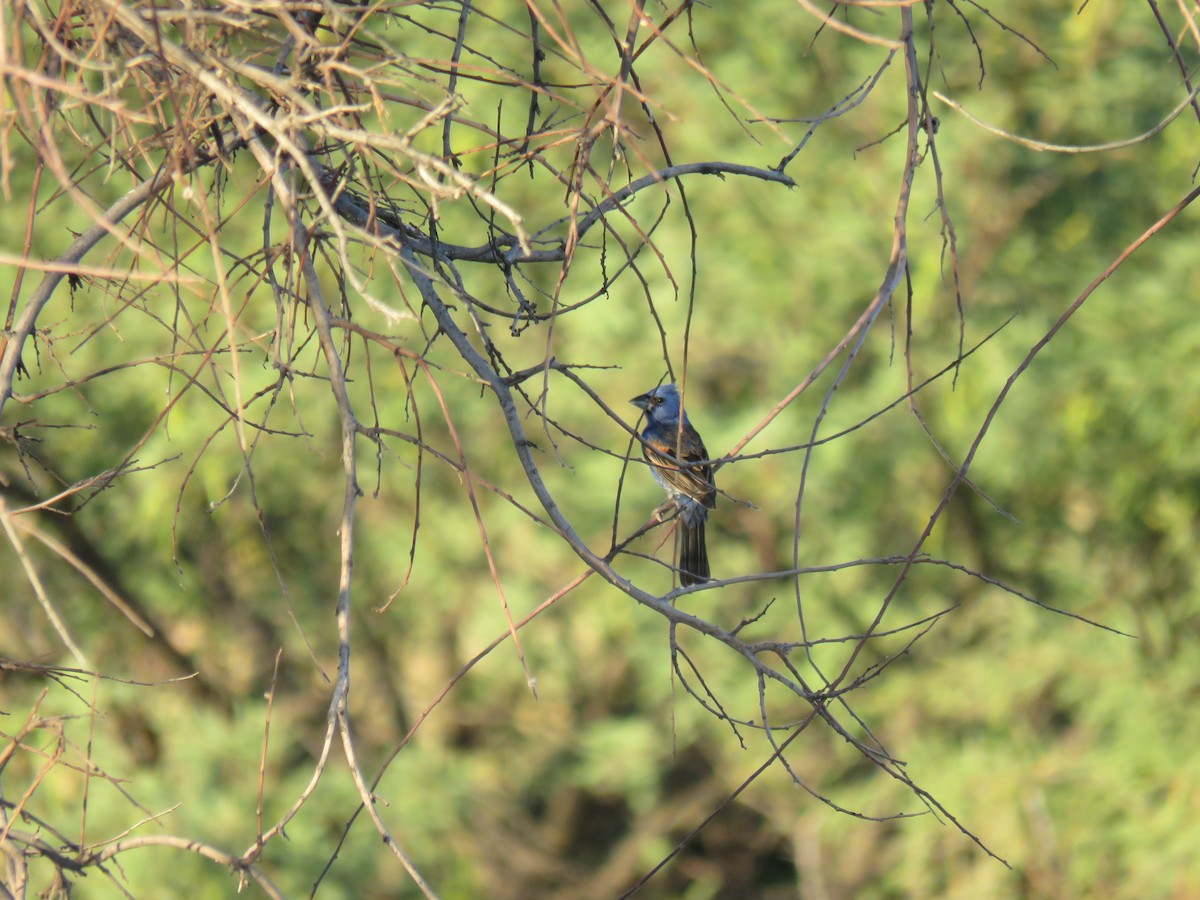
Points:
(661, 406)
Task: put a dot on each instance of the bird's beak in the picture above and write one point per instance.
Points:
(642, 401)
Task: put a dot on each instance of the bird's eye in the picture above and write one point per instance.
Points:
(657, 401)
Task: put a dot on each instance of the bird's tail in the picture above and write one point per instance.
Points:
(693, 555)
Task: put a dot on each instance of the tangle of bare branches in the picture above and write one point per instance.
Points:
(390, 217)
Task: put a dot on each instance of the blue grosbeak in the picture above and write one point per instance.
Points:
(668, 440)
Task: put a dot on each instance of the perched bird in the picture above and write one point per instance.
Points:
(670, 439)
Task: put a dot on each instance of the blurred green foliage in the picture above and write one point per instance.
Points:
(1068, 750)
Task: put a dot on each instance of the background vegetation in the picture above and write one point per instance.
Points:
(990, 621)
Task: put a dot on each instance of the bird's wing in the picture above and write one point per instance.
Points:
(695, 482)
